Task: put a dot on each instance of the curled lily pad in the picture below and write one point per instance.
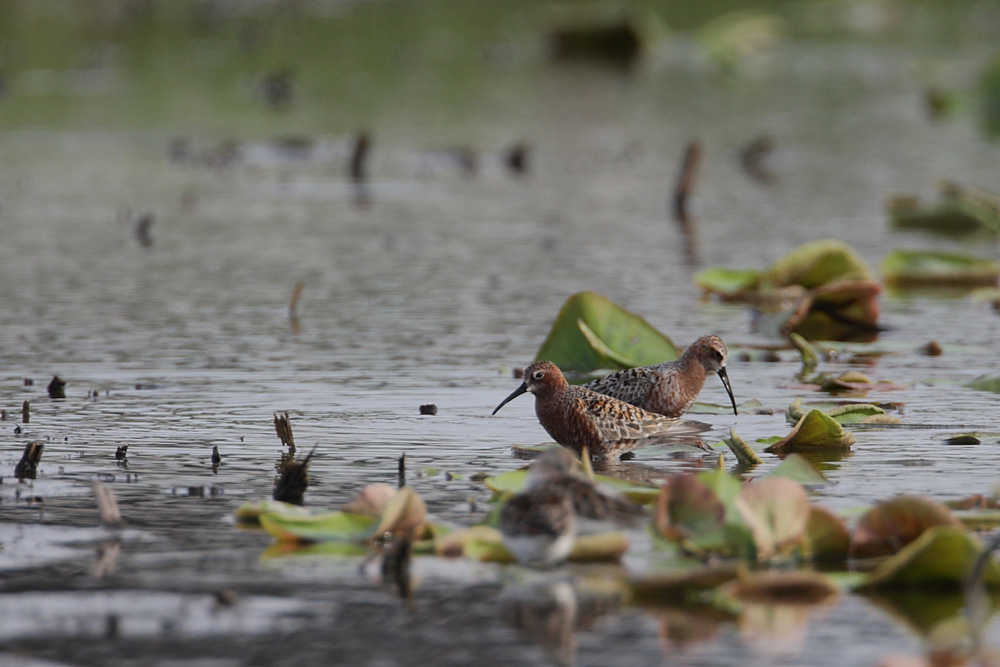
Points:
(844, 413)
(687, 508)
(810, 358)
(783, 587)
(744, 452)
(370, 500)
(776, 510)
(798, 469)
(827, 535)
(911, 268)
(894, 523)
(817, 263)
(942, 557)
(404, 513)
(816, 430)
(592, 332)
(962, 209)
(842, 306)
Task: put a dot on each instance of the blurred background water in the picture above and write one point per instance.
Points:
(232, 125)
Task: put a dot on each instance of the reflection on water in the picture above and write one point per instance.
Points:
(176, 337)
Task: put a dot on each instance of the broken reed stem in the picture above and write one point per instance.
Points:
(107, 505)
(27, 467)
(359, 157)
(296, 297)
(25, 412)
(283, 427)
(686, 182)
(401, 471)
(744, 453)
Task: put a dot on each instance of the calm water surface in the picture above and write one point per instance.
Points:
(432, 294)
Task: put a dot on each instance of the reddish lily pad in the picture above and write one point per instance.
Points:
(776, 509)
(892, 524)
(592, 332)
(800, 587)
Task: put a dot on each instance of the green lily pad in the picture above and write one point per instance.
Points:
(798, 469)
(862, 413)
(403, 513)
(909, 268)
(810, 358)
(328, 526)
(687, 508)
(990, 383)
(827, 535)
(744, 452)
(727, 283)
(815, 431)
(731, 38)
(962, 209)
(817, 263)
(484, 543)
(513, 481)
(776, 509)
(979, 519)
(893, 523)
(941, 557)
(250, 513)
(593, 332)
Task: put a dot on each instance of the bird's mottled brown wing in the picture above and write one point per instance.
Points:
(617, 420)
(630, 385)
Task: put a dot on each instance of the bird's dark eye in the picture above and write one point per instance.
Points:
(717, 355)
(538, 375)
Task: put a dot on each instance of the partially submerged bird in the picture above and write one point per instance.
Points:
(579, 418)
(670, 388)
(538, 526)
(595, 506)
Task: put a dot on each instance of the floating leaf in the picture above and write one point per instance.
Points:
(593, 332)
(744, 452)
(250, 512)
(810, 358)
(841, 306)
(979, 519)
(513, 481)
(907, 268)
(892, 524)
(370, 500)
(731, 38)
(727, 283)
(962, 209)
(671, 586)
(941, 557)
(486, 544)
(963, 439)
(815, 431)
(798, 469)
(776, 510)
(817, 263)
(687, 508)
(783, 587)
(862, 413)
(827, 535)
(990, 383)
(328, 526)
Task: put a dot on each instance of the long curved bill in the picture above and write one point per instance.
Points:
(729, 389)
(517, 392)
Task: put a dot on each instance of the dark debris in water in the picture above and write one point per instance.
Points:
(57, 387)
(121, 453)
(293, 481)
(283, 427)
(27, 467)
(428, 409)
